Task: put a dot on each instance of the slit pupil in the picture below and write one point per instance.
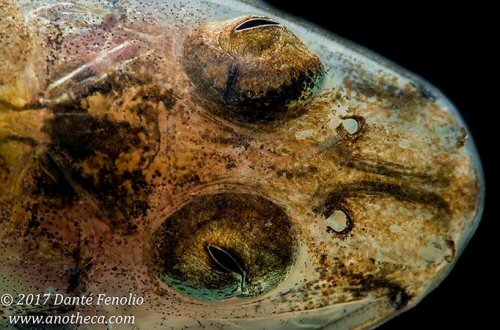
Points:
(254, 23)
(225, 260)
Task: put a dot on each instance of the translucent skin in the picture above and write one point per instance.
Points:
(104, 136)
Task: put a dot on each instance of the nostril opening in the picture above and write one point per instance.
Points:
(339, 222)
(351, 125)
(254, 23)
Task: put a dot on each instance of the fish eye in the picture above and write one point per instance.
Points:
(251, 68)
(225, 245)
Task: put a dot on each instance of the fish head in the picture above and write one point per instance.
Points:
(231, 165)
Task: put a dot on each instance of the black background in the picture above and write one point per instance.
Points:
(451, 47)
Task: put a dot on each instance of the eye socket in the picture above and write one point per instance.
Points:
(225, 245)
(252, 68)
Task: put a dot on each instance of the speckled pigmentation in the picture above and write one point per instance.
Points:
(233, 166)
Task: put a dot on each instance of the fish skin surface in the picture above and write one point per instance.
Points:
(233, 166)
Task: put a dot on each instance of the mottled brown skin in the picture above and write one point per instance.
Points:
(89, 172)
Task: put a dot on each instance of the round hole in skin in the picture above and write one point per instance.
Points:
(338, 221)
(351, 125)
(225, 245)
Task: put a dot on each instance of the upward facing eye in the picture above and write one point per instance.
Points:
(253, 68)
(225, 245)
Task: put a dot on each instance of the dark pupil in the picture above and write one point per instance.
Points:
(258, 22)
(224, 259)
(227, 261)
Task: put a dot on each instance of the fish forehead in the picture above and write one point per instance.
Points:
(411, 165)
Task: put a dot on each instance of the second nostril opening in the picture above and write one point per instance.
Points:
(351, 125)
(339, 222)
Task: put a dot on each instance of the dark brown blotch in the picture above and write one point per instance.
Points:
(82, 159)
